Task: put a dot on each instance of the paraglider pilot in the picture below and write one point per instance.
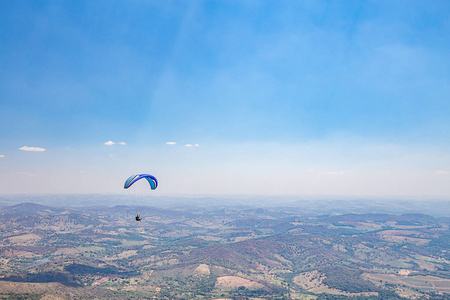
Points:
(133, 178)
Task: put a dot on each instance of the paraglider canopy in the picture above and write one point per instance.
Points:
(133, 178)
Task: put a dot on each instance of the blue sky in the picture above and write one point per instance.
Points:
(307, 98)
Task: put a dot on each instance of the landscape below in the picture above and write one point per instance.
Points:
(222, 252)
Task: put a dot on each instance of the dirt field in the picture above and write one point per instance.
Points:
(20, 253)
(309, 280)
(24, 239)
(425, 283)
(235, 282)
(202, 269)
(67, 251)
(403, 235)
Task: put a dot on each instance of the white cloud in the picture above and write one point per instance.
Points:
(197, 145)
(442, 172)
(188, 145)
(109, 143)
(2, 155)
(122, 143)
(171, 143)
(35, 149)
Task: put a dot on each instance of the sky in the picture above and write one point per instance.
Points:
(226, 97)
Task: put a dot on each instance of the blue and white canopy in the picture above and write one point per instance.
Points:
(133, 178)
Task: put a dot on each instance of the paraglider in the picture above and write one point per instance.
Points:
(133, 178)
